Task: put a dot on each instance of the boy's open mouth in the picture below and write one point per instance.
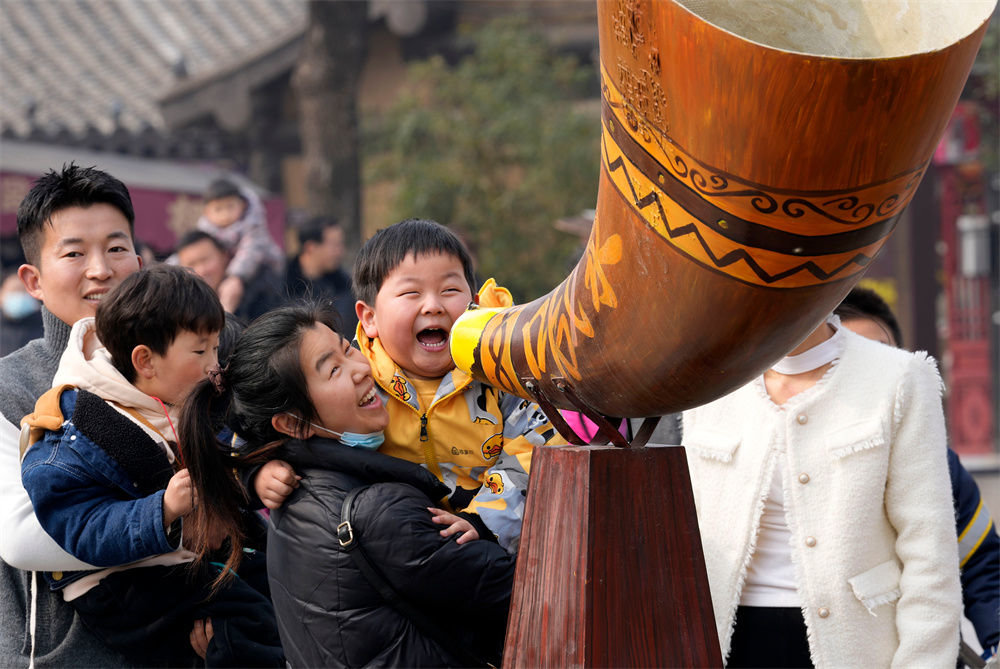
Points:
(433, 339)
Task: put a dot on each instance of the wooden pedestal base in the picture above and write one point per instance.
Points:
(610, 570)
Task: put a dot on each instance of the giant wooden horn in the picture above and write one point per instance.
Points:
(755, 156)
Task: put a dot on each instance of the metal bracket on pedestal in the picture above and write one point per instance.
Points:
(605, 428)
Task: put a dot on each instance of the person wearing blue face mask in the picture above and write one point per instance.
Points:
(20, 315)
(361, 571)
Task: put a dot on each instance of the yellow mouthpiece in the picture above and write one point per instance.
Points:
(465, 336)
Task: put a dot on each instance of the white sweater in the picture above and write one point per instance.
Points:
(867, 500)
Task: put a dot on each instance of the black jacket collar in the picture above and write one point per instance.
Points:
(367, 466)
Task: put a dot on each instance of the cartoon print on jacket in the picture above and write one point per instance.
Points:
(493, 446)
(399, 387)
(495, 483)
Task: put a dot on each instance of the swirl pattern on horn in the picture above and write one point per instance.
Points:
(745, 185)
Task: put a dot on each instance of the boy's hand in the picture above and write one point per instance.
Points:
(456, 525)
(230, 293)
(201, 634)
(179, 498)
(274, 482)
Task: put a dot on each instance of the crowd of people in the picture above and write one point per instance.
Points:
(199, 469)
(231, 249)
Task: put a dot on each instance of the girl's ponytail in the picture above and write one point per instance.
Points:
(210, 463)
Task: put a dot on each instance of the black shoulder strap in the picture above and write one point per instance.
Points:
(352, 546)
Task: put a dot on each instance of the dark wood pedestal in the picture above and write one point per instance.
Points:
(610, 570)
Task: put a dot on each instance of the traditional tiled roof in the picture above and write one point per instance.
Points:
(172, 78)
(73, 68)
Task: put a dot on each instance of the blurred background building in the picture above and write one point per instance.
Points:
(211, 84)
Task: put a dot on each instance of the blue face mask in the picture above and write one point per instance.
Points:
(368, 442)
(19, 305)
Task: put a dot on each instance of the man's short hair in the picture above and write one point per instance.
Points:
(151, 307)
(192, 237)
(866, 303)
(221, 188)
(388, 247)
(73, 186)
(312, 229)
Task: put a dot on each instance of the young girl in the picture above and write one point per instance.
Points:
(297, 390)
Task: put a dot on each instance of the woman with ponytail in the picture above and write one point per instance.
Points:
(360, 573)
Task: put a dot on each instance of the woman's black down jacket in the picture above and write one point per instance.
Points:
(328, 613)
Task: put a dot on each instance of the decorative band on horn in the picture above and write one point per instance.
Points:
(758, 235)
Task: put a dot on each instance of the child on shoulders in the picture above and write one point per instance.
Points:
(102, 471)
(235, 216)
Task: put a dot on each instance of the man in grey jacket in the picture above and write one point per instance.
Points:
(76, 229)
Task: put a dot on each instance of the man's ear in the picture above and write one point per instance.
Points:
(30, 276)
(142, 361)
(291, 425)
(366, 316)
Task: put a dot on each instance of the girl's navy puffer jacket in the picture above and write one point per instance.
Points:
(329, 615)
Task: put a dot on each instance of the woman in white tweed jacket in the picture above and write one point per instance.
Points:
(823, 495)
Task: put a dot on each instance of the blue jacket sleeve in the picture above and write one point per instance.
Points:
(979, 555)
(84, 511)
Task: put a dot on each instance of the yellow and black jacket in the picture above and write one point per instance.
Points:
(473, 437)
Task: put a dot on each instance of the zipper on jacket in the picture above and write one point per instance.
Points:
(430, 457)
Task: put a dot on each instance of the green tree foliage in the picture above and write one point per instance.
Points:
(496, 149)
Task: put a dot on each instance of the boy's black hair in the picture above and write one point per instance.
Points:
(221, 188)
(192, 237)
(866, 303)
(73, 186)
(151, 307)
(312, 230)
(389, 247)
